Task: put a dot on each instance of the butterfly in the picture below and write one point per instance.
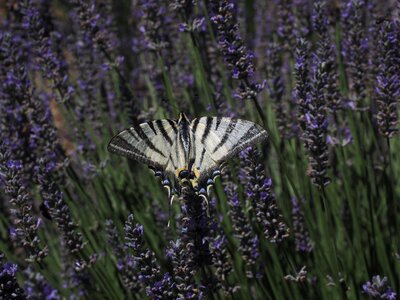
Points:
(187, 152)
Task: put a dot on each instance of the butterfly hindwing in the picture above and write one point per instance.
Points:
(150, 143)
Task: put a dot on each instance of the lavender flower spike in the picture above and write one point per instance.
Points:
(92, 23)
(388, 79)
(26, 224)
(326, 52)
(259, 191)
(276, 87)
(316, 123)
(249, 243)
(355, 48)
(53, 199)
(236, 55)
(147, 270)
(52, 66)
(301, 237)
(124, 262)
(315, 119)
(301, 74)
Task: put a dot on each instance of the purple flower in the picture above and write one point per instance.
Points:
(301, 73)
(388, 79)
(355, 48)
(57, 207)
(145, 266)
(124, 260)
(326, 53)
(162, 289)
(276, 86)
(8, 269)
(238, 58)
(97, 26)
(15, 103)
(223, 267)
(184, 269)
(301, 237)
(259, 191)
(37, 287)
(134, 234)
(10, 288)
(378, 288)
(51, 64)
(155, 25)
(14, 164)
(26, 222)
(286, 23)
(248, 241)
(314, 121)
(342, 137)
(90, 79)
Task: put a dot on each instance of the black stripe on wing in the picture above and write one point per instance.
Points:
(151, 125)
(122, 147)
(206, 132)
(228, 131)
(164, 133)
(202, 157)
(146, 139)
(195, 124)
(172, 161)
(254, 135)
(173, 125)
(219, 120)
(194, 129)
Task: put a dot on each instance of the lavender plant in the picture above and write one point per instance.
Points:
(73, 73)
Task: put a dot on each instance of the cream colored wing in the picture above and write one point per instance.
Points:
(217, 139)
(150, 143)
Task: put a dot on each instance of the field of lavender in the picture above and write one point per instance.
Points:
(313, 213)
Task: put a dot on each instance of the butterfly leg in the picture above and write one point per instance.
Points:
(211, 180)
(203, 194)
(166, 183)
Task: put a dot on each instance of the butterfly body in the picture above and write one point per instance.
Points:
(188, 152)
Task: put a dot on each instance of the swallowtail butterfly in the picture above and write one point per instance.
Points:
(184, 151)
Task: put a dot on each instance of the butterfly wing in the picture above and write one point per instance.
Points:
(217, 139)
(150, 143)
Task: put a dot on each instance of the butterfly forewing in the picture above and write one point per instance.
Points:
(150, 143)
(218, 139)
